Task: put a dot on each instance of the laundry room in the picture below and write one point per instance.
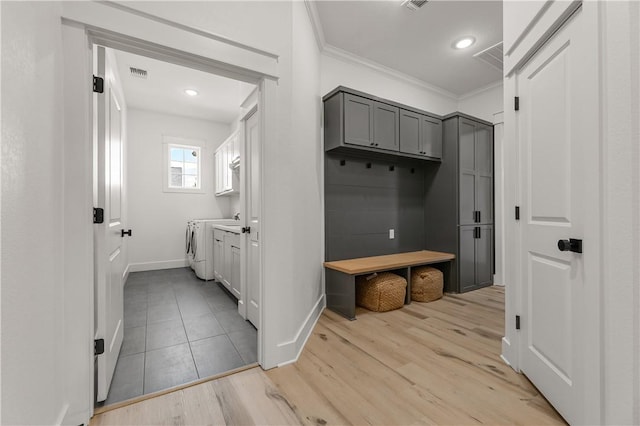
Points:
(179, 161)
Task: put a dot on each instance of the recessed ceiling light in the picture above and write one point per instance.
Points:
(191, 92)
(464, 42)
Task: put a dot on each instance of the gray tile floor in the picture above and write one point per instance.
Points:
(177, 328)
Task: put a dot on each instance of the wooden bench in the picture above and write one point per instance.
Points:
(341, 275)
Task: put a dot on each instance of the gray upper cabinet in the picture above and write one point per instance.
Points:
(420, 134)
(410, 131)
(358, 121)
(431, 137)
(386, 126)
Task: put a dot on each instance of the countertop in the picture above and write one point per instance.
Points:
(230, 228)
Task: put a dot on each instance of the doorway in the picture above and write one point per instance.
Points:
(175, 324)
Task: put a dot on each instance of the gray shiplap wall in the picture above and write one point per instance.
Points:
(362, 204)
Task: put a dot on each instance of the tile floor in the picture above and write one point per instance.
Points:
(177, 328)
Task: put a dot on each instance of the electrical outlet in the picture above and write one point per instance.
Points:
(392, 234)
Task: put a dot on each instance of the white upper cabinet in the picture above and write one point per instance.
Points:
(226, 160)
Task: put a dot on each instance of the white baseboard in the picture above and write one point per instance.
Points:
(508, 355)
(153, 266)
(290, 351)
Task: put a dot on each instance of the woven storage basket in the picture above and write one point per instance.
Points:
(384, 292)
(426, 284)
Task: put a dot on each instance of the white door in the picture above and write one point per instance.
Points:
(108, 240)
(556, 138)
(252, 213)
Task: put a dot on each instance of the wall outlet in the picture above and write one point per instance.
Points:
(392, 234)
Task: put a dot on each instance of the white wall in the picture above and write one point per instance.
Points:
(32, 306)
(293, 205)
(336, 72)
(158, 219)
(483, 103)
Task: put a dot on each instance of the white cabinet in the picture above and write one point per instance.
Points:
(227, 179)
(226, 260)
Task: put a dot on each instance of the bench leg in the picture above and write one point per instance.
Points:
(341, 293)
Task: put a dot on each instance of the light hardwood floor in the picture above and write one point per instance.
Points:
(431, 363)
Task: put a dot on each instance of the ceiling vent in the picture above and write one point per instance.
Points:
(137, 72)
(492, 56)
(414, 4)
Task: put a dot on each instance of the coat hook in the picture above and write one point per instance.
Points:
(391, 168)
(368, 165)
(413, 170)
(342, 162)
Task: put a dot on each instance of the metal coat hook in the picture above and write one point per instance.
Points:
(342, 162)
(368, 165)
(392, 168)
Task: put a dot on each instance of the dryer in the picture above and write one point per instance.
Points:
(199, 245)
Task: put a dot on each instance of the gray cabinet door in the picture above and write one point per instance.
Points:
(475, 172)
(386, 126)
(431, 137)
(484, 173)
(467, 172)
(410, 132)
(466, 258)
(358, 120)
(484, 256)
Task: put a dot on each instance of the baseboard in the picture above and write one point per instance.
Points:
(508, 355)
(154, 266)
(125, 275)
(290, 351)
(78, 418)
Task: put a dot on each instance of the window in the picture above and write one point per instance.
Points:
(182, 166)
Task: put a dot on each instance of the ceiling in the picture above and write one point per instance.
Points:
(218, 98)
(418, 43)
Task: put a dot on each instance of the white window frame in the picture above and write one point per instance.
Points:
(169, 142)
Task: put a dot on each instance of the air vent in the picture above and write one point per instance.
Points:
(492, 56)
(137, 72)
(414, 4)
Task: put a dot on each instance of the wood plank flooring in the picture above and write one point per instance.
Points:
(431, 363)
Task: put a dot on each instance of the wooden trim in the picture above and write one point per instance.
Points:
(364, 265)
(105, 408)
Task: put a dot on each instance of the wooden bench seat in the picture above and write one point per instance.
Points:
(340, 275)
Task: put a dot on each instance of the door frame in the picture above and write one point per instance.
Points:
(512, 344)
(79, 40)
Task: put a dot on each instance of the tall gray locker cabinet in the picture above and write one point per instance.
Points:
(459, 201)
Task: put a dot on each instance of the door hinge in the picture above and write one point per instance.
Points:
(517, 322)
(98, 346)
(517, 212)
(98, 215)
(246, 230)
(516, 103)
(98, 84)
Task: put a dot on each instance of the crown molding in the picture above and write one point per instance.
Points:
(479, 90)
(312, 11)
(345, 56)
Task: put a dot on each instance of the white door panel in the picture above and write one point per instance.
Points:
(552, 191)
(108, 240)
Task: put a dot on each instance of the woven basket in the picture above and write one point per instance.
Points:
(384, 292)
(426, 284)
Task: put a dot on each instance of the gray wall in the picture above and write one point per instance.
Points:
(362, 204)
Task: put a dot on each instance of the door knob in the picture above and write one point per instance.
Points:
(570, 245)
(123, 233)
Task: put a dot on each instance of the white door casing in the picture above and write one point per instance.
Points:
(108, 240)
(556, 135)
(252, 205)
